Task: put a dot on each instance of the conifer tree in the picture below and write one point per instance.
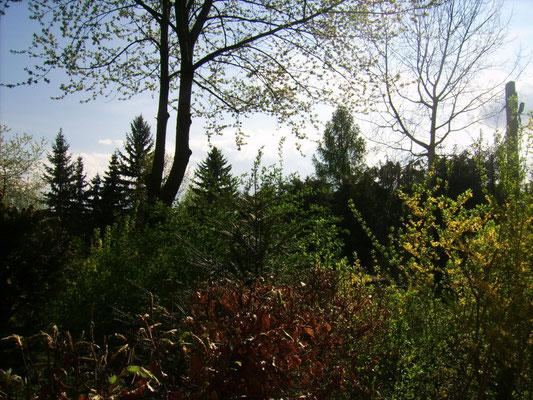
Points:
(113, 190)
(213, 181)
(61, 178)
(342, 150)
(135, 159)
(80, 197)
(94, 193)
(94, 200)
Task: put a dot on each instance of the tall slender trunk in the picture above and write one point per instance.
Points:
(432, 147)
(511, 137)
(156, 175)
(182, 151)
(187, 37)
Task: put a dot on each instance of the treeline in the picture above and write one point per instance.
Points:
(84, 205)
(363, 282)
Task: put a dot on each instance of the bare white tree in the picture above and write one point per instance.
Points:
(428, 73)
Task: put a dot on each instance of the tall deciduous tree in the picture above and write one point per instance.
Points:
(60, 176)
(430, 74)
(220, 59)
(21, 180)
(134, 160)
(341, 152)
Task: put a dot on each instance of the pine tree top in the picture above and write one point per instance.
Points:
(213, 178)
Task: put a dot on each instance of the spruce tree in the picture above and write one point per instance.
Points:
(112, 190)
(135, 159)
(60, 175)
(80, 197)
(94, 193)
(213, 181)
(94, 200)
(342, 150)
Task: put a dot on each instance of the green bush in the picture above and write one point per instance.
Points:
(139, 254)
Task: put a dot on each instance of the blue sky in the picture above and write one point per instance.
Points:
(96, 128)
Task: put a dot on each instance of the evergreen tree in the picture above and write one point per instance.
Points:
(80, 197)
(94, 201)
(60, 175)
(94, 194)
(342, 150)
(213, 181)
(112, 190)
(134, 162)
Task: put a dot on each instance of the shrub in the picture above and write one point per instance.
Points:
(35, 254)
(139, 254)
(460, 323)
(274, 341)
(306, 340)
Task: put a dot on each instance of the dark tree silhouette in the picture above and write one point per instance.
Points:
(213, 181)
(60, 175)
(134, 161)
(113, 190)
(80, 198)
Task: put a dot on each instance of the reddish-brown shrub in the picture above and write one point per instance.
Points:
(263, 340)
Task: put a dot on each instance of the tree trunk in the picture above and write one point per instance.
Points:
(183, 126)
(432, 147)
(156, 175)
(511, 111)
(511, 137)
(432, 156)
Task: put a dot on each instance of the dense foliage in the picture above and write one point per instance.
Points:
(34, 259)
(20, 179)
(392, 283)
(397, 281)
(248, 295)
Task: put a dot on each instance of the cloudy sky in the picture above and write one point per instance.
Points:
(95, 129)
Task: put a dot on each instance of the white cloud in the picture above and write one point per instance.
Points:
(111, 142)
(95, 163)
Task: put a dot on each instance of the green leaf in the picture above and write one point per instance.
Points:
(132, 369)
(113, 379)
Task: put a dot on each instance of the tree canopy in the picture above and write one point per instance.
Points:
(220, 60)
(20, 161)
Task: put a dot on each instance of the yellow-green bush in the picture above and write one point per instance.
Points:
(461, 305)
